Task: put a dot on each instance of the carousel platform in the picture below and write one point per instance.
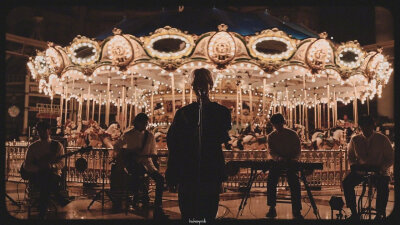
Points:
(256, 207)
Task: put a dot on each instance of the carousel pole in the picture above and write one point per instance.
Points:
(300, 114)
(264, 96)
(152, 105)
(66, 105)
(66, 101)
(336, 115)
(241, 103)
(107, 118)
(131, 106)
(295, 113)
(73, 104)
(98, 119)
(355, 107)
(251, 102)
(191, 95)
(71, 109)
(274, 107)
(61, 105)
(118, 102)
(220, 89)
(136, 108)
(183, 95)
(126, 110)
(329, 103)
(320, 116)
(323, 116)
(80, 108)
(173, 92)
(88, 103)
(123, 111)
(130, 113)
(291, 115)
(287, 106)
(334, 109)
(280, 107)
(305, 113)
(51, 104)
(368, 105)
(93, 107)
(237, 104)
(315, 111)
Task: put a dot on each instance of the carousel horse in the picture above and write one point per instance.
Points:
(251, 141)
(300, 130)
(95, 134)
(236, 142)
(317, 139)
(331, 138)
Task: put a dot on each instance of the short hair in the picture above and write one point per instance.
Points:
(277, 119)
(202, 79)
(42, 125)
(141, 117)
(366, 120)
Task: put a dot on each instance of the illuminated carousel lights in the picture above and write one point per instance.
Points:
(54, 59)
(40, 65)
(221, 44)
(162, 55)
(281, 55)
(32, 70)
(85, 42)
(358, 58)
(118, 47)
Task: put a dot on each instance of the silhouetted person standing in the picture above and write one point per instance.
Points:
(198, 177)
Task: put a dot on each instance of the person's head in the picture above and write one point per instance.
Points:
(140, 122)
(202, 81)
(367, 125)
(277, 120)
(44, 130)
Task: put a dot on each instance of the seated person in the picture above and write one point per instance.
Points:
(284, 146)
(369, 149)
(141, 143)
(44, 165)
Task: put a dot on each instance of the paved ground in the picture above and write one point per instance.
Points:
(256, 207)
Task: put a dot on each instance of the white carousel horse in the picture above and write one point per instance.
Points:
(317, 139)
(300, 130)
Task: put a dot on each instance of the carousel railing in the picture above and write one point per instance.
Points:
(335, 165)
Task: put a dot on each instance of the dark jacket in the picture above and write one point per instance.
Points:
(182, 141)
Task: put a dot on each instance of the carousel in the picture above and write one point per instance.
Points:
(112, 80)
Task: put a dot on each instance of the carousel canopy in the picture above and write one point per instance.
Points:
(271, 66)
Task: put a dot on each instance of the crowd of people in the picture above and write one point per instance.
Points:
(196, 165)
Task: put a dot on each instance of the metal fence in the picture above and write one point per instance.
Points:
(334, 161)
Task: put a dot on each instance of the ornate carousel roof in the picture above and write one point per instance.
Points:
(270, 65)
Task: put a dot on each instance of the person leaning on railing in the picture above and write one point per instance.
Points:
(369, 149)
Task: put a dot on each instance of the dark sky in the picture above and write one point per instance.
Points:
(62, 24)
(349, 23)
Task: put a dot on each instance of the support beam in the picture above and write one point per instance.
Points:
(26, 105)
(99, 119)
(88, 103)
